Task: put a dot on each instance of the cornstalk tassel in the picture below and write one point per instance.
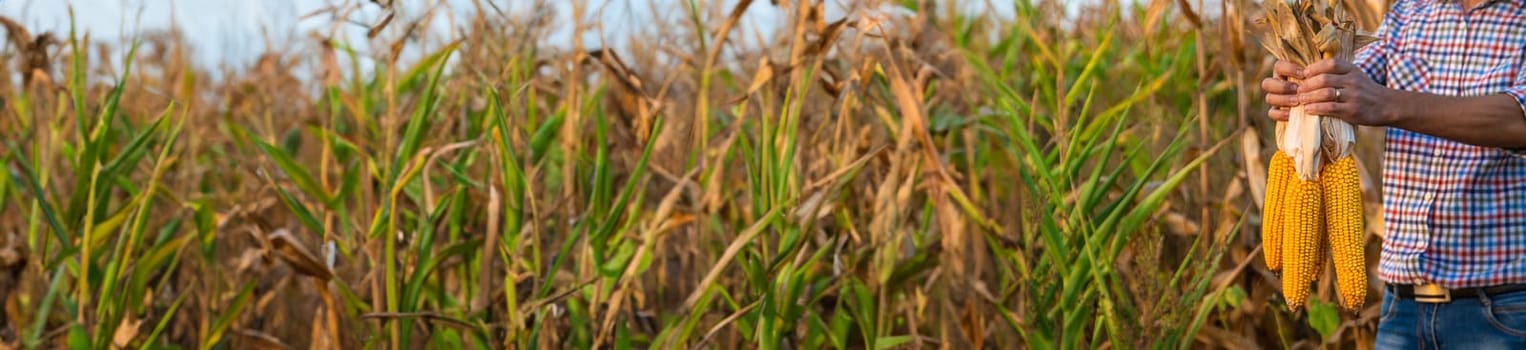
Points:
(1314, 199)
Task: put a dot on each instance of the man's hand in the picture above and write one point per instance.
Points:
(1282, 94)
(1338, 89)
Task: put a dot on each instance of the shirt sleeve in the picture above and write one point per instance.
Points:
(1373, 58)
(1517, 90)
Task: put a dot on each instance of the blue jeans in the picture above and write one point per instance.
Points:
(1484, 322)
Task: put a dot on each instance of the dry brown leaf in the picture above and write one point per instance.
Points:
(329, 64)
(126, 332)
(319, 335)
(321, 339)
(488, 274)
(716, 329)
(1255, 167)
(1192, 17)
(1153, 14)
(1179, 224)
(764, 73)
(1224, 339)
(290, 250)
(1223, 279)
(828, 35)
(380, 24)
(433, 317)
(253, 339)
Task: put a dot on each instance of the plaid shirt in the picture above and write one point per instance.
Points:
(1455, 213)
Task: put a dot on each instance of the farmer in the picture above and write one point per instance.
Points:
(1447, 79)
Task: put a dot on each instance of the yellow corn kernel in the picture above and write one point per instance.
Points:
(1303, 220)
(1279, 172)
(1343, 218)
(1321, 254)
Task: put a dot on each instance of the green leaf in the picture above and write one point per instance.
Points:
(622, 338)
(909, 5)
(151, 262)
(615, 265)
(1091, 65)
(78, 339)
(1234, 296)
(103, 229)
(90, 158)
(891, 342)
(296, 172)
(304, 215)
(861, 303)
(543, 136)
(28, 177)
(230, 313)
(291, 142)
(164, 321)
(417, 281)
(607, 225)
(34, 334)
(414, 133)
(432, 62)
(1323, 317)
(135, 149)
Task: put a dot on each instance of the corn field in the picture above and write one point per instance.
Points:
(869, 174)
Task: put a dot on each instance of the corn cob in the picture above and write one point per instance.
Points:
(1280, 171)
(1347, 238)
(1301, 239)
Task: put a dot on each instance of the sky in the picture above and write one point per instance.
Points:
(219, 28)
(235, 32)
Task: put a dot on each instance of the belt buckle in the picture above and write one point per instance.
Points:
(1432, 294)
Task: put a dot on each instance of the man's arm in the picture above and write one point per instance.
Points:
(1489, 121)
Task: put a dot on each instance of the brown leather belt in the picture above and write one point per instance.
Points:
(1431, 293)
